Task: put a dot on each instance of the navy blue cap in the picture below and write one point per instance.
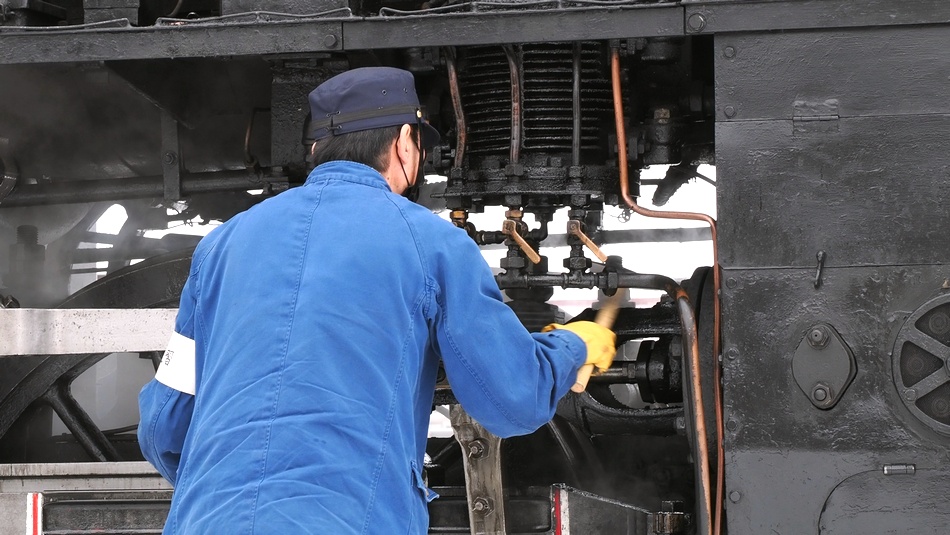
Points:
(368, 98)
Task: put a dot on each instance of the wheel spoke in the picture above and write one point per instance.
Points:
(929, 344)
(931, 382)
(89, 436)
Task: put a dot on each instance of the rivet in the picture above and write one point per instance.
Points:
(910, 394)
(732, 353)
(732, 425)
(731, 282)
(820, 393)
(696, 22)
(730, 111)
(735, 496)
(729, 52)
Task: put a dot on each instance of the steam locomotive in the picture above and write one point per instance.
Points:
(799, 383)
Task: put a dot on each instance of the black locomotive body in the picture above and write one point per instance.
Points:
(821, 399)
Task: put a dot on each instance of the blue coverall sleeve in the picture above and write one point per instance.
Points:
(165, 417)
(164, 412)
(508, 379)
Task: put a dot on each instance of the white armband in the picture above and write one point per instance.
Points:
(177, 369)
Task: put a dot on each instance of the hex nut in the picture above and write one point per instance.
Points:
(818, 336)
(482, 506)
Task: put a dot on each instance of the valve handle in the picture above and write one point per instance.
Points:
(574, 227)
(509, 228)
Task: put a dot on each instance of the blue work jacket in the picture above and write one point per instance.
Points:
(311, 327)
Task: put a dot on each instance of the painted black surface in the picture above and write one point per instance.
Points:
(784, 456)
(763, 76)
(873, 503)
(832, 153)
(831, 140)
(520, 26)
(713, 16)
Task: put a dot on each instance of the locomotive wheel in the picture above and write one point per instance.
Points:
(153, 283)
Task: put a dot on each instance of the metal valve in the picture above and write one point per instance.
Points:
(509, 228)
(574, 227)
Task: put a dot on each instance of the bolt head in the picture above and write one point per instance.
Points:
(729, 111)
(729, 52)
(910, 394)
(820, 394)
(329, 40)
(735, 496)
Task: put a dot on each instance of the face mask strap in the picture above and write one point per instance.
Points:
(412, 192)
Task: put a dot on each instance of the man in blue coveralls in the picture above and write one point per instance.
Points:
(296, 390)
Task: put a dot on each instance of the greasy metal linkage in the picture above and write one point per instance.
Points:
(141, 187)
(481, 455)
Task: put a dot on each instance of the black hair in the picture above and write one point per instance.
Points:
(368, 147)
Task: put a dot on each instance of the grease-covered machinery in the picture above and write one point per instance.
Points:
(799, 384)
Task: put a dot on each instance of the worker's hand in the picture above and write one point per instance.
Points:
(601, 341)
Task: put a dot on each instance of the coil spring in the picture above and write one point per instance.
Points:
(547, 95)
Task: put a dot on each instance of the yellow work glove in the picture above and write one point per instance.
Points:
(601, 341)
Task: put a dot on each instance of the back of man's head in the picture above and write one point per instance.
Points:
(357, 115)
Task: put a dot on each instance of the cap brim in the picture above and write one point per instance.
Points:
(430, 136)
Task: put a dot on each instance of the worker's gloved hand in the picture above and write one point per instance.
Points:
(601, 341)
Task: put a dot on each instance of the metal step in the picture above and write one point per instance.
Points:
(103, 512)
(131, 499)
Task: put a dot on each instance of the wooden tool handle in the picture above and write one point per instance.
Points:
(605, 318)
(583, 376)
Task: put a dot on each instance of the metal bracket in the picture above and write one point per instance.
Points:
(481, 455)
(815, 116)
(8, 177)
(171, 157)
(823, 366)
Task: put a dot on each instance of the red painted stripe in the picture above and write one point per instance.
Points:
(36, 513)
(557, 511)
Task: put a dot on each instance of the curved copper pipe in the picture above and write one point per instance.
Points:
(460, 128)
(697, 394)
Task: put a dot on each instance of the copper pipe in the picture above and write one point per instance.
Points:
(460, 128)
(515, 153)
(691, 340)
(697, 394)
